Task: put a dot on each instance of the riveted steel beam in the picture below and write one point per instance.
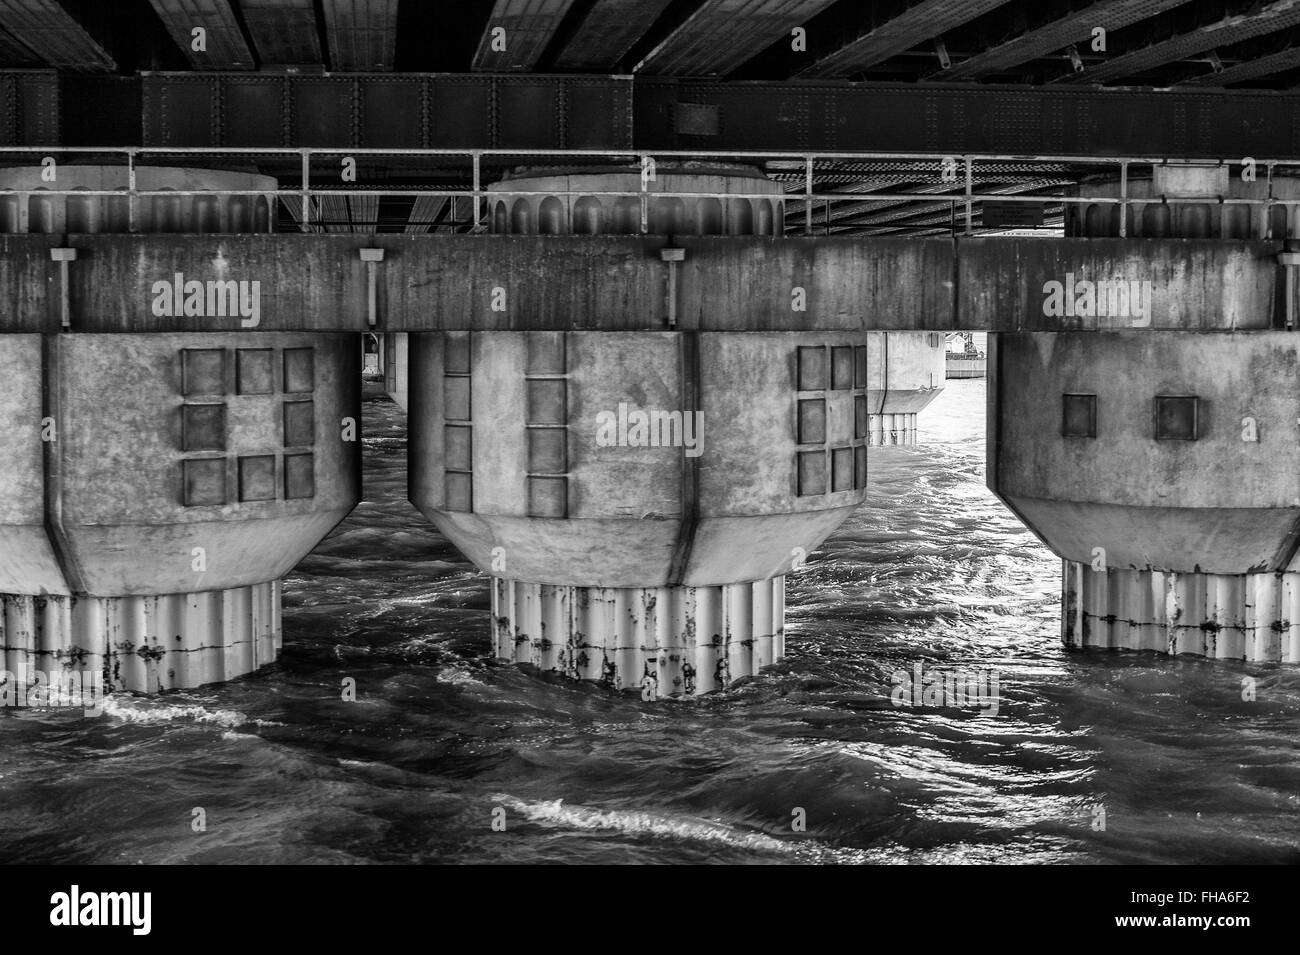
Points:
(501, 111)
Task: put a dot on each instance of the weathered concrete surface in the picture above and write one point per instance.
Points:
(614, 283)
(397, 368)
(61, 207)
(27, 559)
(848, 283)
(597, 209)
(112, 475)
(1251, 617)
(29, 291)
(905, 372)
(663, 641)
(637, 516)
(144, 643)
(1218, 504)
(1194, 283)
(1150, 215)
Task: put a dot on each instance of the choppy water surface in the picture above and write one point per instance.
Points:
(933, 570)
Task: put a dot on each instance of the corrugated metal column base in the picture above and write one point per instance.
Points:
(1253, 617)
(677, 641)
(144, 644)
(886, 429)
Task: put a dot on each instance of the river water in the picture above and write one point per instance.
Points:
(1091, 757)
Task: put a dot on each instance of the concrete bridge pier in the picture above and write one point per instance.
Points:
(156, 488)
(1162, 468)
(639, 497)
(905, 372)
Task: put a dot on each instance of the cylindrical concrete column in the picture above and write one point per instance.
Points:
(156, 488)
(663, 641)
(1251, 617)
(1185, 200)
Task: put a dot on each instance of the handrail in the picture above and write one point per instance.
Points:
(960, 170)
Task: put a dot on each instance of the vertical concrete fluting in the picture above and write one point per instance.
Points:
(156, 488)
(1161, 467)
(1252, 617)
(664, 641)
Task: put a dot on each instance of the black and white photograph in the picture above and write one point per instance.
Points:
(650, 432)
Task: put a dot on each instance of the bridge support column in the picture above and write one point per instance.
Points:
(906, 371)
(1165, 478)
(1160, 465)
(156, 488)
(665, 641)
(640, 496)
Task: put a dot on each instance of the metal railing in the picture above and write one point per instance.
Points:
(957, 169)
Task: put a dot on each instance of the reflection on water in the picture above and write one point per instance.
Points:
(933, 571)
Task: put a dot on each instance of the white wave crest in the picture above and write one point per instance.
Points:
(633, 822)
(456, 677)
(130, 710)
